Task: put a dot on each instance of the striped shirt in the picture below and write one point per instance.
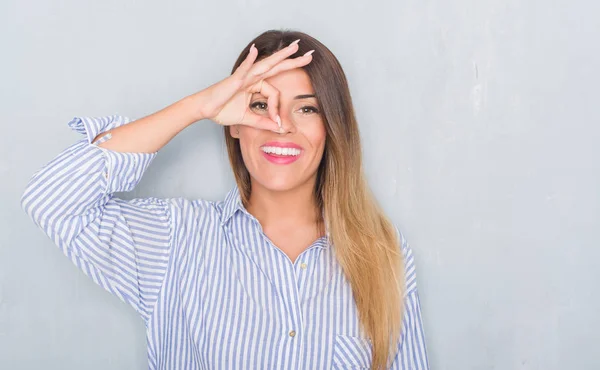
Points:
(213, 290)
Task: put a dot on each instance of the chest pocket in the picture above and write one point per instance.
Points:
(351, 352)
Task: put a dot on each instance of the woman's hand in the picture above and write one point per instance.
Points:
(227, 101)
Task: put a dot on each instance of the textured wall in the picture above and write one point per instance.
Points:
(480, 128)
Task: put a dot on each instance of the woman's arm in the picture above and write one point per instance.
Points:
(225, 102)
(123, 245)
(412, 350)
(151, 133)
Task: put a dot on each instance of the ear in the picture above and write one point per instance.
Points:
(233, 129)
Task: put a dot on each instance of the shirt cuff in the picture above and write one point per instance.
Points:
(92, 126)
(123, 170)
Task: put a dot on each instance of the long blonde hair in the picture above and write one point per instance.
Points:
(366, 243)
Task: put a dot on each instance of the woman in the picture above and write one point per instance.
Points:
(297, 268)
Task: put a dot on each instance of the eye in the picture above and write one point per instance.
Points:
(308, 109)
(260, 105)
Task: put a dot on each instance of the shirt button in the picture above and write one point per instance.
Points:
(292, 333)
(303, 266)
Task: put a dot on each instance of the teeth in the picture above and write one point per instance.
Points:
(280, 151)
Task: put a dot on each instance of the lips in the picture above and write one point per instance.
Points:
(281, 159)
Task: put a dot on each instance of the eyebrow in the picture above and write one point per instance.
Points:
(305, 96)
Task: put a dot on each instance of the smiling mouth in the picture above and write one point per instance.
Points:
(281, 155)
(281, 151)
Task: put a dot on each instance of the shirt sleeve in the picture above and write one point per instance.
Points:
(123, 245)
(412, 349)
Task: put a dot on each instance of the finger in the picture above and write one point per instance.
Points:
(272, 94)
(260, 121)
(245, 66)
(263, 123)
(272, 60)
(288, 64)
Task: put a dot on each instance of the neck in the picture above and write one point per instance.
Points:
(284, 209)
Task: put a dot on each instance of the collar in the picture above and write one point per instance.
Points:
(233, 203)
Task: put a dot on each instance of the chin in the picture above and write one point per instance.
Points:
(278, 183)
(281, 185)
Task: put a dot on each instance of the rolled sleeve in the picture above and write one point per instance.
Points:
(123, 170)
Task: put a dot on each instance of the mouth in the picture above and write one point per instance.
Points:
(281, 152)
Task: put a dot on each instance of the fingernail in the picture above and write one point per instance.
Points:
(309, 53)
(278, 121)
(295, 42)
(251, 46)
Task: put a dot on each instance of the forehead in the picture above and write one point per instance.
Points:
(291, 82)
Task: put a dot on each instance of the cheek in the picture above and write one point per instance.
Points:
(316, 136)
(247, 136)
(248, 139)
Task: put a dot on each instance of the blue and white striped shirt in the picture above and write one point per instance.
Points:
(212, 289)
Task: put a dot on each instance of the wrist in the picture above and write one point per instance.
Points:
(193, 105)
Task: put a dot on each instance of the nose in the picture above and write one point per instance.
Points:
(287, 125)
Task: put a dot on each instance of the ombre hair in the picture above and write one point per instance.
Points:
(365, 242)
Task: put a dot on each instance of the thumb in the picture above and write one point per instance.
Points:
(261, 122)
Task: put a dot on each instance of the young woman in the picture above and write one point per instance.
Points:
(297, 268)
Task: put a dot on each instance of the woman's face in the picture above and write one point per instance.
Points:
(290, 159)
